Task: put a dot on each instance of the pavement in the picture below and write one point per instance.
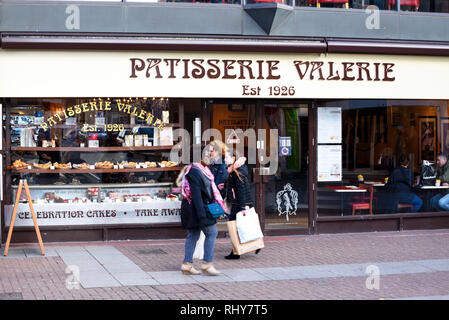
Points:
(406, 265)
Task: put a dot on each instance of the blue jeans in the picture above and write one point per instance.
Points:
(417, 203)
(440, 202)
(192, 237)
(409, 198)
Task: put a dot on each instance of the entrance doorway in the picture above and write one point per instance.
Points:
(282, 197)
(286, 193)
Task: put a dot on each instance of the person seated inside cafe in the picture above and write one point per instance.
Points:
(440, 202)
(399, 187)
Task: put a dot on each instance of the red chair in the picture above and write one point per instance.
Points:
(364, 205)
(318, 2)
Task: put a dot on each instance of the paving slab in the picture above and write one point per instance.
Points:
(35, 252)
(203, 278)
(134, 279)
(16, 253)
(436, 265)
(172, 277)
(97, 279)
(404, 267)
(85, 265)
(276, 273)
(112, 259)
(244, 275)
(122, 267)
(309, 272)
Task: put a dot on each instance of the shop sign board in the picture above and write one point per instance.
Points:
(59, 214)
(89, 73)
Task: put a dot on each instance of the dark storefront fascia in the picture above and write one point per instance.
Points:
(392, 222)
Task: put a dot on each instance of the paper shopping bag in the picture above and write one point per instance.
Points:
(248, 226)
(242, 248)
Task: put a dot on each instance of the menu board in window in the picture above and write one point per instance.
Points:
(329, 125)
(329, 163)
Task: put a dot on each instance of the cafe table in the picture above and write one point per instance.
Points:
(345, 189)
(375, 183)
(430, 191)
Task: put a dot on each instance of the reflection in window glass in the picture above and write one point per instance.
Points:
(286, 2)
(355, 4)
(203, 1)
(388, 157)
(426, 5)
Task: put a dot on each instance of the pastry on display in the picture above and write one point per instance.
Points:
(128, 165)
(51, 197)
(19, 164)
(62, 165)
(167, 164)
(172, 197)
(151, 164)
(93, 191)
(81, 166)
(44, 166)
(104, 165)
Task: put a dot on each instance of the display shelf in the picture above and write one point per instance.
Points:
(98, 170)
(98, 149)
(100, 185)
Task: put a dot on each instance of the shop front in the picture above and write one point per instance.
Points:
(101, 137)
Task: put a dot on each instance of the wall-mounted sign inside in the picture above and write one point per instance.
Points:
(101, 107)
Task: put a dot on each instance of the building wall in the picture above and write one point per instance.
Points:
(231, 20)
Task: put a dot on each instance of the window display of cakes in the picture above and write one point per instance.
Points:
(95, 195)
(19, 165)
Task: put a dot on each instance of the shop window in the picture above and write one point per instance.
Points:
(426, 6)
(198, 1)
(354, 4)
(95, 160)
(362, 171)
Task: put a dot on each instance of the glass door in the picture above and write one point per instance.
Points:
(286, 191)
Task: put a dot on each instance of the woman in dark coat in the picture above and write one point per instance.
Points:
(199, 189)
(238, 190)
(399, 187)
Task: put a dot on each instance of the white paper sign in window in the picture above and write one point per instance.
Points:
(329, 125)
(329, 163)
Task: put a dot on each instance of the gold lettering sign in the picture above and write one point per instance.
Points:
(94, 106)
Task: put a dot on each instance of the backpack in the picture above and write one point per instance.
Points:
(428, 174)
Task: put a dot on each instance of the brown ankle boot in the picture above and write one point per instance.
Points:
(209, 269)
(187, 268)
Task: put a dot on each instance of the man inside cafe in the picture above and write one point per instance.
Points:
(440, 202)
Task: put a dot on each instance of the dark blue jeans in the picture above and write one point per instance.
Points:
(410, 199)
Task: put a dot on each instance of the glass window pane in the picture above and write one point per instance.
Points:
(286, 191)
(355, 4)
(385, 148)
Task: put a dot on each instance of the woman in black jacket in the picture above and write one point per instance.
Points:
(399, 187)
(238, 190)
(199, 189)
